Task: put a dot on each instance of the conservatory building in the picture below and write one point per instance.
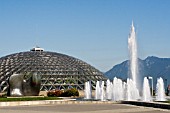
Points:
(57, 71)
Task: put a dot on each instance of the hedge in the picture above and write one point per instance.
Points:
(63, 93)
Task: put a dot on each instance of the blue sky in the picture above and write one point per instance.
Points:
(95, 31)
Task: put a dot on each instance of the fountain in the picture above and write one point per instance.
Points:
(132, 91)
(98, 90)
(132, 86)
(129, 91)
(160, 91)
(132, 46)
(88, 92)
(146, 91)
(117, 90)
(109, 86)
(103, 96)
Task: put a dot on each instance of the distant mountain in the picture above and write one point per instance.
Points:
(151, 66)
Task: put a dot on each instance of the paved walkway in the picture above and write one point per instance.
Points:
(81, 108)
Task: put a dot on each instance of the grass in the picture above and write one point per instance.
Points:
(4, 99)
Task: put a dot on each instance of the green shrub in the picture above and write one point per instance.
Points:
(61, 93)
(54, 93)
(50, 93)
(70, 92)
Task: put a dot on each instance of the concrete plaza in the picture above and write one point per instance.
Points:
(81, 108)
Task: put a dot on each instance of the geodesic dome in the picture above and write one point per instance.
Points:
(58, 71)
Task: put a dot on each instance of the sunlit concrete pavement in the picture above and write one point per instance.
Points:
(81, 108)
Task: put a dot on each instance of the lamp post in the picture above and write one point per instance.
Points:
(149, 77)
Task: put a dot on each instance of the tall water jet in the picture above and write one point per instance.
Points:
(124, 90)
(160, 91)
(103, 96)
(109, 86)
(98, 90)
(117, 89)
(132, 92)
(132, 46)
(88, 91)
(132, 86)
(146, 91)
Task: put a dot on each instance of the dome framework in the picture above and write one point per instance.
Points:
(57, 71)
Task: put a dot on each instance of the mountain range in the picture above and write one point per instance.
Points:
(151, 66)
